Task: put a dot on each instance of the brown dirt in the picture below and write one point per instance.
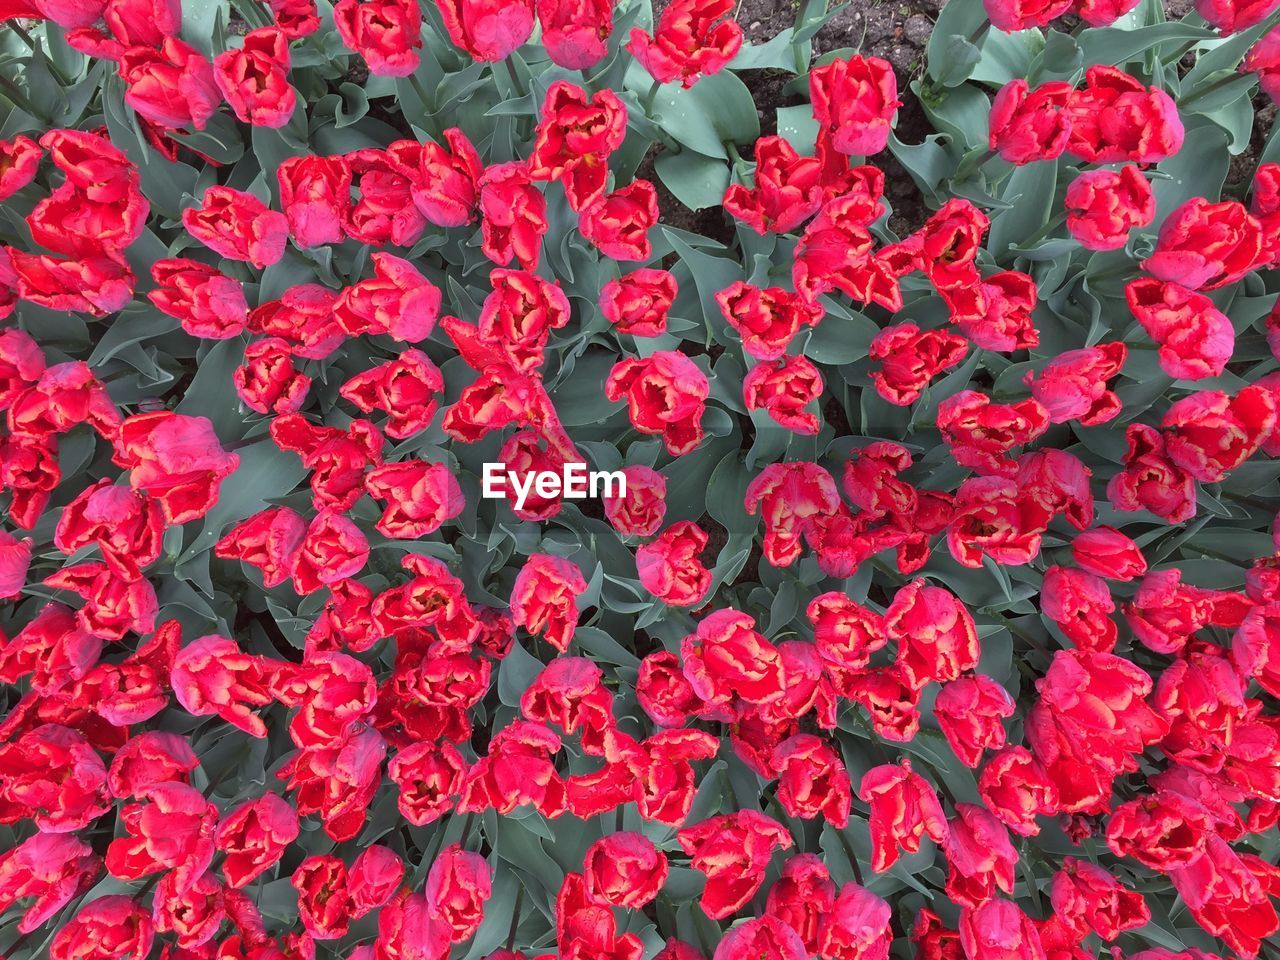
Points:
(896, 32)
(909, 208)
(1244, 165)
(768, 89)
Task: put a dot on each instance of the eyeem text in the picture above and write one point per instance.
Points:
(576, 482)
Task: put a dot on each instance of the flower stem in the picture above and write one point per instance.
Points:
(516, 85)
(1053, 223)
(515, 919)
(23, 35)
(437, 843)
(589, 80)
(848, 852)
(973, 165)
(650, 97)
(466, 829)
(739, 165)
(421, 91)
(428, 105)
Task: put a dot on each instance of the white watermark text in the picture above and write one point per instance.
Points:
(574, 482)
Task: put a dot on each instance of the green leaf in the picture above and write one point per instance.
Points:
(219, 140)
(1008, 56)
(928, 162)
(697, 181)
(199, 18)
(958, 58)
(1221, 57)
(138, 322)
(716, 109)
(797, 126)
(516, 674)
(599, 645)
(710, 275)
(207, 396)
(1061, 57)
(518, 846)
(1198, 169)
(352, 107)
(842, 336)
(962, 112)
(688, 478)
(1031, 190)
(1217, 92)
(45, 92)
(265, 473)
(1111, 46)
(580, 398)
(959, 18)
(726, 491)
(271, 147)
(776, 53)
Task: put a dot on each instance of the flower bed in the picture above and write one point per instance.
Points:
(471, 493)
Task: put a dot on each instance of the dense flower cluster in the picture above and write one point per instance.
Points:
(940, 612)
